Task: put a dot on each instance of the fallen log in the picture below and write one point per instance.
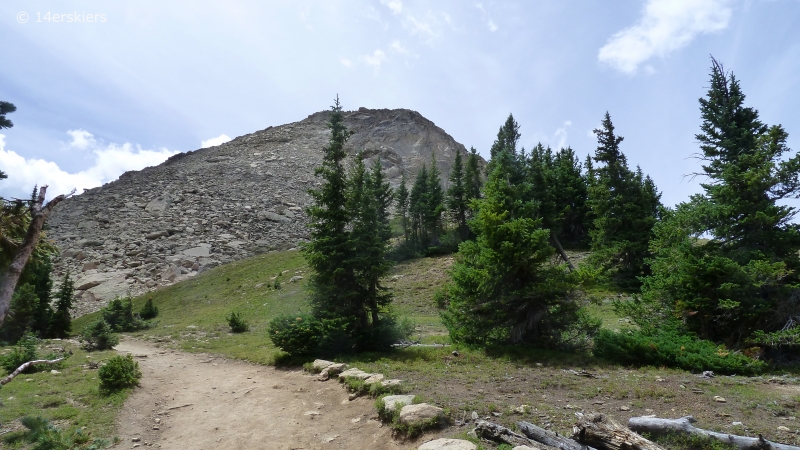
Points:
(25, 367)
(684, 425)
(495, 432)
(605, 433)
(550, 438)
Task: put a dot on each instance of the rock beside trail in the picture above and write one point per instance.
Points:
(391, 402)
(355, 373)
(216, 205)
(420, 413)
(320, 364)
(448, 444)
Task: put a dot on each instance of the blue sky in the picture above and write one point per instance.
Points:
(152, 78)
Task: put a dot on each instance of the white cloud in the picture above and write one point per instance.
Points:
(110, 161)
(375, 59)
(491, 25)
(213, 142)
(395, 5)
(489, 22)
(346, 62)
(81, 139)
(561, 135)
(665, 26)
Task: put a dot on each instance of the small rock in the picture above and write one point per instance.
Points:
(737, 424)
(523, 447)
(522, 409)
(295, 278)
(719, 399)
(391, 383)
(375, 378)
(320, 364)
(54, 372)
(447, 444)
(783, 428)
(391, 402)
(422, 412)
(624, 408)
(312, 413)
(707, 374)
(474, 415)
(455, 353)
(136, 439)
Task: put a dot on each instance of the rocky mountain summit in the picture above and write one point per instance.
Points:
(207, 207)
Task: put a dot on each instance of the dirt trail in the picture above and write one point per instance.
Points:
(199, 401)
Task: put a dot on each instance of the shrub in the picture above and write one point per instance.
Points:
(237, 324)
(672, 348)
(277, 285)
(118, 373)
(45, 436)
(99, 336)
(119, 316)
(149, 311)
(24, 351)
(295, 335)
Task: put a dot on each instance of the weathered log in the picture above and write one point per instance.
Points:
(495, 432)
(550, 438)
(25, 366)
(557, 244)
(10, 276)
(684, 425)
(605, 433)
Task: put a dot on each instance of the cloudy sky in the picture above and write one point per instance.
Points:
(123, 85)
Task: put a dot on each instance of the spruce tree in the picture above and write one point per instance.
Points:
(624, 206)
(61, 321)
(434, 203)
(472, 176)
(334, 290)
(21, 314)
(384, 196)
(457, 197)
(507, 138)
(402, 205)
(417, 208)
(744, 278)
(506, 288)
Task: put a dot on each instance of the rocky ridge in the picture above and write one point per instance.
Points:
(211, 206)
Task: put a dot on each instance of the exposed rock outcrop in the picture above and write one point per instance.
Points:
(211, 206)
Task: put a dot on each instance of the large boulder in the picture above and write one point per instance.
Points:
(448, 444)
(158, 205)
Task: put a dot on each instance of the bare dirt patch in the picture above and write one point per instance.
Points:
(203, 401)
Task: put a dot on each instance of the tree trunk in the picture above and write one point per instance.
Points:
(684, 426)
(10, 277)
(25, 366)
(494, 432)
(604, 433)
(561, 251)
(550, 438)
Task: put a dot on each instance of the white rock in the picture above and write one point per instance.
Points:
(320, 364)
(200, 251)
(422, 412)
(355, 373)
(375, 378)
(448, 444)
(391, 402)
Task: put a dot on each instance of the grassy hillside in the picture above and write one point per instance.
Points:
(541, 384)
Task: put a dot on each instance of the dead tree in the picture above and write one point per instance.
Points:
(605, 433)
(684, 426)
(550, 438)
(10, 276)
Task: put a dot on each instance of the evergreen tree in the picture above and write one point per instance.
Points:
(37, 273)
(402, 205)
(457, 197)
(507, 138)
(21, 314)
(624, 205)
(334, 290)
(434, 203)
(505, 285)
(571, 194)
(417, 208)
(472, 177)
(381, 190)
(745, 278)
(6, 108)
(61, 321)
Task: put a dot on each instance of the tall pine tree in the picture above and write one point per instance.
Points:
(457, 197)
(624, 205)
(402, 205)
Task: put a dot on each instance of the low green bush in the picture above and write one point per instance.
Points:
(149, 310)
(671, 348)
(119, 372)
(237, 324)
(299, 334)
(24, 351)
(44, 436)
(99, 336)
(119, 316)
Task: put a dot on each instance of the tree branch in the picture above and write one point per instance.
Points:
(27, 365)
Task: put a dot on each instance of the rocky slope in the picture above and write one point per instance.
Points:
(211, 206)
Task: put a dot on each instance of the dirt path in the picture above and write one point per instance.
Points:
(207, 402)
